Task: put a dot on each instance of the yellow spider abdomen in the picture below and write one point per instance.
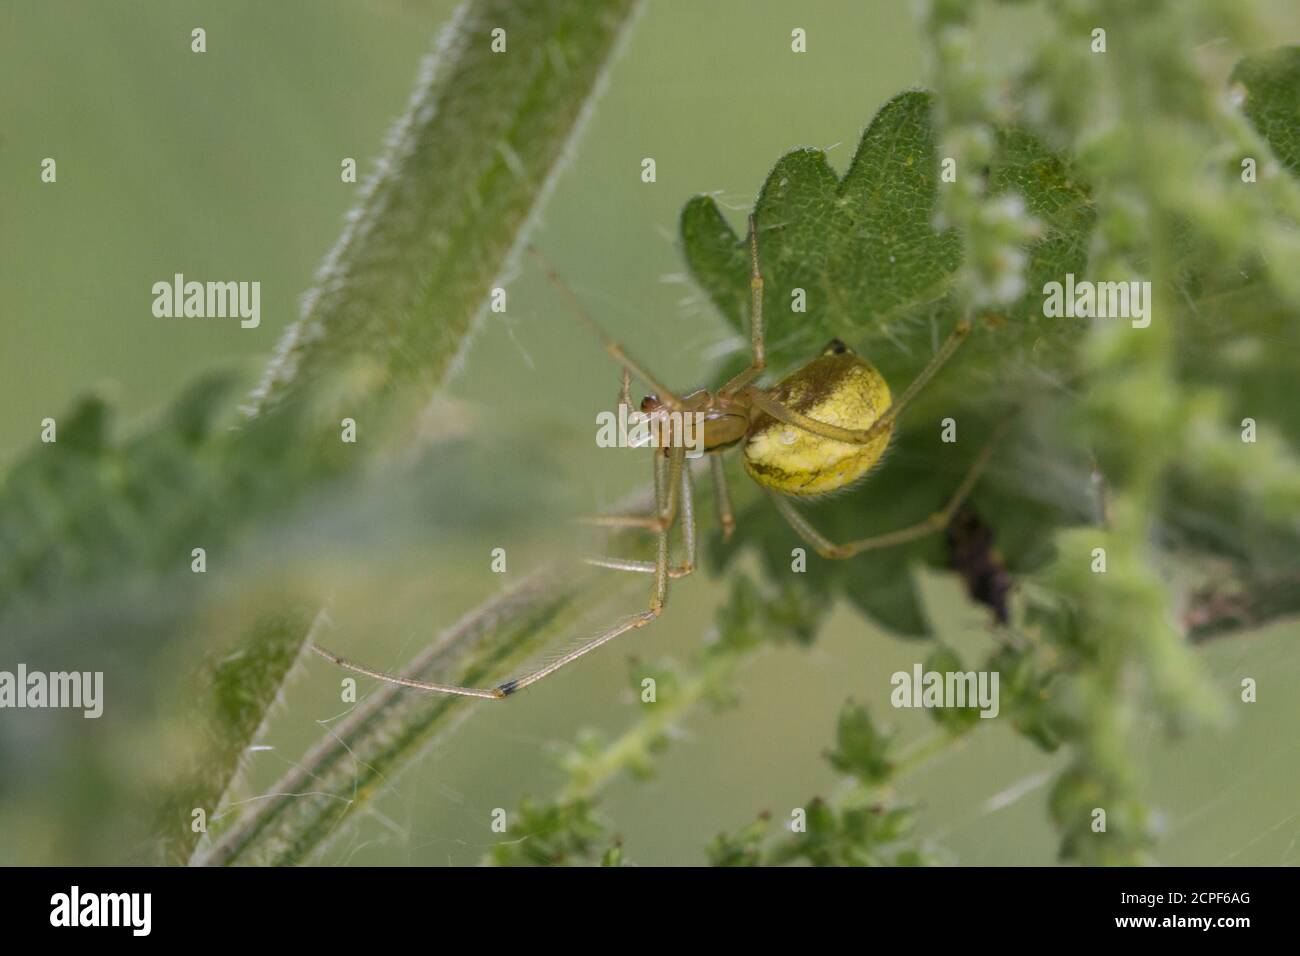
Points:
(837, 388)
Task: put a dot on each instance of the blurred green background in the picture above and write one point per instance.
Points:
(226, 166)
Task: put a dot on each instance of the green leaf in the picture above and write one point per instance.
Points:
(231, 693)
(750, 617)
(852, 836)
(613, 856)
(865, 249)
(956, 720)
(1053, 195)
(1027, 696)
(554, 835)
(862, 750)
(862, 247)
(743, 849)
(1272, 84)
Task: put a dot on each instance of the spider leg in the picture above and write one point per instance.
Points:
(726, 517)
(640, 567)
(353, 666)
(688, 525)
(625, 392)
(862, 436)
(666, 506)
(616, 350)
(658, 596)
(935, 522)
(758, 362)
(505, 688)
(664, 498)
(688, 519)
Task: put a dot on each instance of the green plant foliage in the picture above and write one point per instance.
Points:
(865, 249)
(555, 835)
(861, 749)
(852, 836)
(744, 848)
(1028, 693)
(955, 720)
(1032, 221)
(1229, 501)
(389, 729)
(1272, 84)
(232, 691)
(383, 323)
(613, 857)
(416, 249)
(89, 504)
(880, 274)
(858, 828)
(917, 478)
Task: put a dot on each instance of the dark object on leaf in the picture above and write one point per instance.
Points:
(971, 553)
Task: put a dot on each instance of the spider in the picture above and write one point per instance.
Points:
(816, 431)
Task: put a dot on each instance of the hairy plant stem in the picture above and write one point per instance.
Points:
(397, 298)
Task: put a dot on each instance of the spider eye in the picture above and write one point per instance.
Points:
(835, 347)
(649, 403)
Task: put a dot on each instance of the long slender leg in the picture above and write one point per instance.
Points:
(633, 623)
(620, 355)
(658, 596)
(935, 522)
(726, 517)
(665, 511)
(680, 570)
(404, 681)
(641, 567)
(958, 335)
(625, 392)
(688, 519)
(758, 348)
(661, 538)
(862, 436)
(503, 689)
